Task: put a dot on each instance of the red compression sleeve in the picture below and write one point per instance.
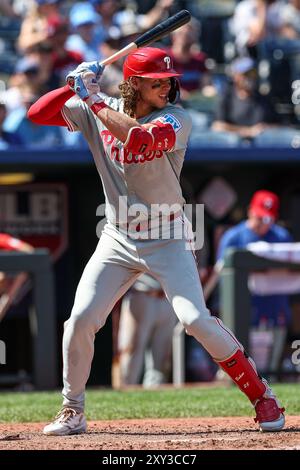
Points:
(46, 110)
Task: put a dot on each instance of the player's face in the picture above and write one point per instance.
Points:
(154, 92)
(260, 225)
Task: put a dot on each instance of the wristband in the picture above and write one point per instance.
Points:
(96, 107)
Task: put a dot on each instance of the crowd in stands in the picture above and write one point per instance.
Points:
(240, 64)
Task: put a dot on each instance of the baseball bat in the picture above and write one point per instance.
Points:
(155, 33)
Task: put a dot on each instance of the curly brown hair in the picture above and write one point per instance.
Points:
(129, 95)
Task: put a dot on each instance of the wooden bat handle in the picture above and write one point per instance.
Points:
(118, 55)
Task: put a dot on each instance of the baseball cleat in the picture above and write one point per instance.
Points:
(269, 415)
(67, 421)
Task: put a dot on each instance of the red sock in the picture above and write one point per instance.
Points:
(244, 375)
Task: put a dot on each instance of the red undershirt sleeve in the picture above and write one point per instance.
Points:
(47, 109)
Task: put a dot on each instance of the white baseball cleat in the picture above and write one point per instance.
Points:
(67, 421)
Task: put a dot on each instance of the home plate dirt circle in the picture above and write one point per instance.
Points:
(156, 434)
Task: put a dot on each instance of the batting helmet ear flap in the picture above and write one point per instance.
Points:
(174, 93)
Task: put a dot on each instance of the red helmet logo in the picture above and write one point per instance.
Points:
(149, 62)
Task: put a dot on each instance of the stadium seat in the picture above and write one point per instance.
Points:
(214, 139)
(278, 137)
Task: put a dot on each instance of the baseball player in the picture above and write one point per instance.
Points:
(146, 328)
(138, 143)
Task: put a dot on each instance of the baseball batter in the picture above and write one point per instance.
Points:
(147, 322)
(138, 143)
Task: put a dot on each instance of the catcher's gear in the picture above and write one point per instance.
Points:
(149, 62)
(157, 136)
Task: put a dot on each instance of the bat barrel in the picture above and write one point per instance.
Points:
(164, 28)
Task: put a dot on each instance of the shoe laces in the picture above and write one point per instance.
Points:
(65, 414)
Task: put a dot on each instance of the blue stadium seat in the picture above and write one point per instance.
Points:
(278, 137)
(214, 139)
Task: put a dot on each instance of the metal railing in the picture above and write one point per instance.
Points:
(235, 301)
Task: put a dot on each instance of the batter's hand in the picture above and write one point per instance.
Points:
(85, 67)
(94, 67)
(84, 84)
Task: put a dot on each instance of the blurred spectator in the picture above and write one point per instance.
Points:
(260, 226)
(83, 20)
(23, 6)
(291, 19)
(253, 20)
(113, 16)
(269, 29)
(268, 311)
(32, 135)
(63, 60)
(106, 9)
(113, 73)
(6, 138)
(285, 44)
(30, 77)
(34, 29)
(157, 13)
(7, 9)
(189, 60)
(241, 108)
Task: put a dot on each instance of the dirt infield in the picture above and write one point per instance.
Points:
(158, 434)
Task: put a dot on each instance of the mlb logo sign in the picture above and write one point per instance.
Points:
(36, 213)
(171, 119)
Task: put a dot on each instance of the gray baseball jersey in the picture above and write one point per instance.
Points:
(144, 179)
(118, 260)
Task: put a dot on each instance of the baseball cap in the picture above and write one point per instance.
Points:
(83, 13)
(264, 204)
(242, 65)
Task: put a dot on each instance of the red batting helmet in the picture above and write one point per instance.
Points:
(149, 62)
